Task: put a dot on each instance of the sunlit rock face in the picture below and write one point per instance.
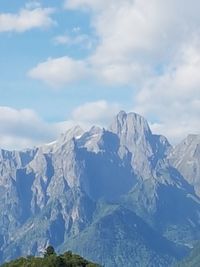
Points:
(135, 135)
(185, 157)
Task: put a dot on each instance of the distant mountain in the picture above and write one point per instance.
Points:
(119, 196)
(186, 159)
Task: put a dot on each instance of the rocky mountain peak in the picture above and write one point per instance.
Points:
(135, 135)
(186, 158)
(130, 123)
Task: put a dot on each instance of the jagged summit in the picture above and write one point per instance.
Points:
(130, 123)
(135, 135)
(74, 132)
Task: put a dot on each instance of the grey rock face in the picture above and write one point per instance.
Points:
(54, 194)
(135, 135)
(186, 158)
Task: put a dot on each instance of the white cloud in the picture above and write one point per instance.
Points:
(62, 39)
(174, 97)
(138, 35)
(59, 72)
(121, 74)
(33, 4)
(100, 112)
(23, 128)
(27, 19)
(82, 40)
(93, 4)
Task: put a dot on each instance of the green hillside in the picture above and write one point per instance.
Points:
(124, 240)
(50, 259)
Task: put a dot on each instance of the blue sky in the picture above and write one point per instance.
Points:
(74, 62)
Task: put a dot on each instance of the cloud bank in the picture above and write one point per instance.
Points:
(23, 128)
(59, 72)
(152, 46)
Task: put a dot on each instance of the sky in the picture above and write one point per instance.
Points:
(70, 62)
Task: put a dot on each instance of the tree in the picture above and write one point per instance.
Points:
(49, 251)
(60, 262)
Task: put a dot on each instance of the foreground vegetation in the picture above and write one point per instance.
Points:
(50, 259)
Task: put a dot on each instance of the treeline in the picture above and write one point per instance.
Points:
(51, 259)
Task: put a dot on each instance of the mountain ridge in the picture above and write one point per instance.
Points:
(52, 193)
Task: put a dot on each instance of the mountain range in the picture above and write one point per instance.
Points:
(120, 196)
